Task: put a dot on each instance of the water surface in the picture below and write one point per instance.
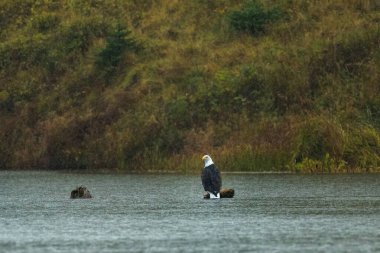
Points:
(166, 213)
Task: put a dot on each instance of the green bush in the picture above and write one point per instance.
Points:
(253, 17)
(117, 43)
(178, 113)
(373, 111)
(14, 13)
(253, 92)
(326, 164)
(318, 137)
(80, 34)
(363, 148)
(347, 55)
(45, 22)
(4, 95)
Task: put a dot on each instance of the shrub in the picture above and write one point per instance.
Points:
(346, 57)
(79, 35)
(14, 13)
(4, 95)
(318, 137)
(118, 42)
(178, 113)
(253, 17)
(253, 92)
(45, 22)
(363, 148)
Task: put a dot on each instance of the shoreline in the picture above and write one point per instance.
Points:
(168, 172)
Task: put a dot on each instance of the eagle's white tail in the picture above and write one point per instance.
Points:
(212, 196)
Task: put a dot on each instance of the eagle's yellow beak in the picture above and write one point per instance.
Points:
(204, 157)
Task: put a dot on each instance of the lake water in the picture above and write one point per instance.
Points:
(166, 213)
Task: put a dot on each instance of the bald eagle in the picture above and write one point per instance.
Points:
(211, 179)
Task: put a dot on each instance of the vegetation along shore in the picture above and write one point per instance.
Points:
(153, 85)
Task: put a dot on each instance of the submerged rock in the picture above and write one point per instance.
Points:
(224, 193)
(80, 192)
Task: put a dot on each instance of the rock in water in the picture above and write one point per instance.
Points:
(224, 193)
(80, 192)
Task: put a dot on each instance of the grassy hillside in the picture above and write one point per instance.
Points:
(155, 84)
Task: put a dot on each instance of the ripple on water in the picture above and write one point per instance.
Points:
(161, 213)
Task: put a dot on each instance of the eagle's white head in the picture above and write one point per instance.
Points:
(207, 159)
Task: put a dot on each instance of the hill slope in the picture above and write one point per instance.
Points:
(153, 85)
